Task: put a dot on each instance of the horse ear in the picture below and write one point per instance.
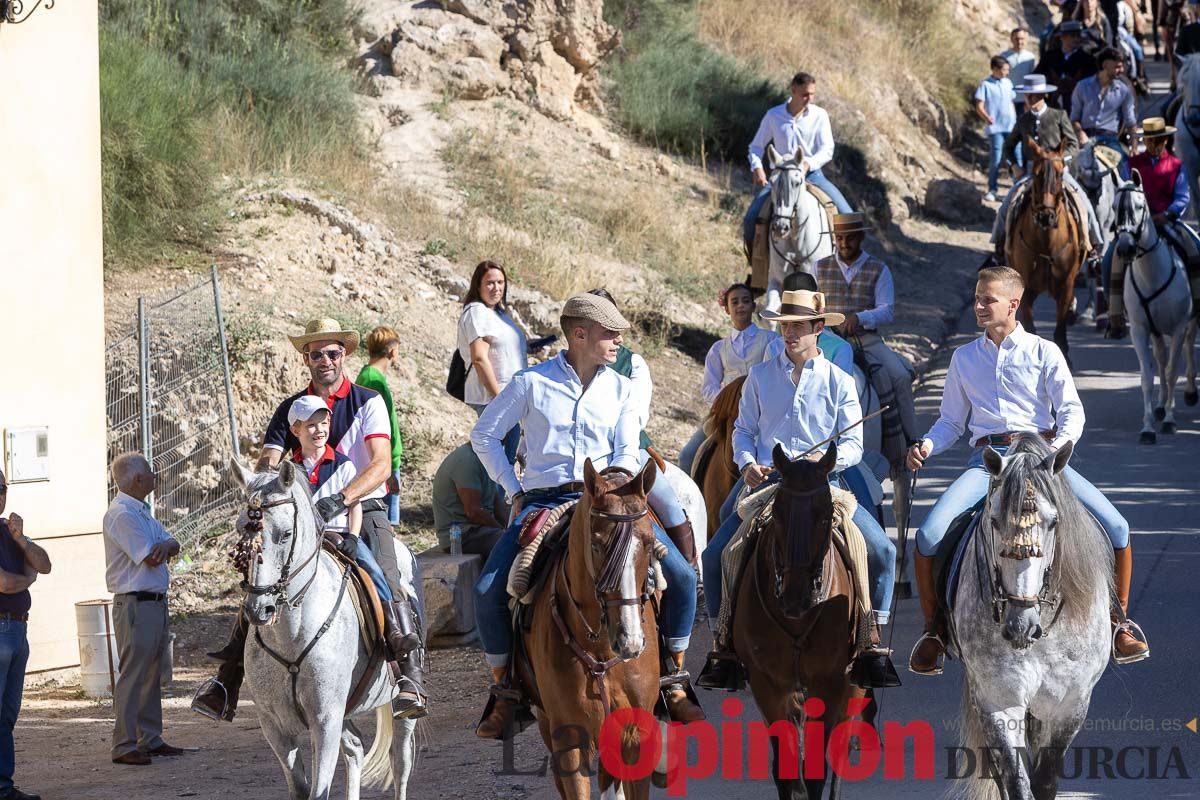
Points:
(287, 476)
(589, 477)
(241, 476)
(829, 460)
(647, 475)
(780, 459)
(993, 461)
(772, 155)
(1057, 461)
(1135, 178)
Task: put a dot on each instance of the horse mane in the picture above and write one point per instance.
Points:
(725, 407)
(1082, 554)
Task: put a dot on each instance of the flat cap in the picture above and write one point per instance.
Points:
(596, 309)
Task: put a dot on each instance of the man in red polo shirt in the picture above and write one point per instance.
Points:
(360, 429)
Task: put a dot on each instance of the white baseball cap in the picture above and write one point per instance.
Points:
(304, 407)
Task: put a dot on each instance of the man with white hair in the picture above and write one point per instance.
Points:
(136, 549)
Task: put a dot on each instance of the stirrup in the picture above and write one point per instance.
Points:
(938, 664)
(204, 710)
(1134, 630)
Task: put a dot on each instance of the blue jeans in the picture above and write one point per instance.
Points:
(662, 498)
(972, 485)
(687, 455)
(14, 655)
(511, 440)
(366, 559)
(818, 179)
(881, 558)
(491, 592)
(995, 159)
(1139, 55)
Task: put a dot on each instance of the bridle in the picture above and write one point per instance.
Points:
(1046, 215)
(251, 550)
(999, 596)
(793, 541)
(788, 201)
(1125, 223)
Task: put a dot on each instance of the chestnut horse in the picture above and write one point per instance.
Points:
(718, 474)
(592, 642)
(1047, 242)
(792, 621)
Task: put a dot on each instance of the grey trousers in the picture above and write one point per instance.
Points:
(141, 629)
(899, 375)
(395, 559)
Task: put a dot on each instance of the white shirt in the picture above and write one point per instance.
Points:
(885, 292)
(341, 476)
(1020, 64)
(129, 533)
(563, 425)
(774, 411)
(1023, 386)
(506, 352)
(808, 132)
(828, 341)
(715, 378)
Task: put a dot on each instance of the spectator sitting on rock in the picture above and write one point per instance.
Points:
(464, 495)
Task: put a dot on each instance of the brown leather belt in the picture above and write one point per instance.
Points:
(1006, 439)
(15, 616)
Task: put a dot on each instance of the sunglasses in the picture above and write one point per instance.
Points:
(315, 356)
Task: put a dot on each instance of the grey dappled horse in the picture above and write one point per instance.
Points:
(1032, 626)
(293, 590)
(1158, 303)
(800, 234)
(1099, 181)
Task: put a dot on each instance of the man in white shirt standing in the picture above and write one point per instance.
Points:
(136, 549)
(571, 408)
(1020, 63)
(1006, 382)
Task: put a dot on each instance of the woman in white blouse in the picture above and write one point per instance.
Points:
(490, 343)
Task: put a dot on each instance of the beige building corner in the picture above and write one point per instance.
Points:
(52, 308)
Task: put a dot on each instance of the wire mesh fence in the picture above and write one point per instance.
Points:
(169, 397)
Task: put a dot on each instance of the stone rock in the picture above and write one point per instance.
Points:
(447, 583)
(955, 200)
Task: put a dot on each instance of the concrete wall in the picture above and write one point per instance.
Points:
(52, 305)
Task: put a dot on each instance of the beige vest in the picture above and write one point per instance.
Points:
(848, 298)
(733, 365)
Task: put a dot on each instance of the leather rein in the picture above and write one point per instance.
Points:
(799, 224)
(1122, 214)
(999, 596)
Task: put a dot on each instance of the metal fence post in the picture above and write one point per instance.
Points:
(147, 437)
(233, 431)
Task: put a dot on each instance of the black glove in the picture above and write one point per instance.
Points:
(348, 546)
(331, 506)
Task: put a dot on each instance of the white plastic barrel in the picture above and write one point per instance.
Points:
(98, 662)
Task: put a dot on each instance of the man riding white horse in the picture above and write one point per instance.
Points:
(1051, 129)
(859, 287)
(571, 408)
(1004, 383)
(360, 430)
(797, 400)
(1165, 185)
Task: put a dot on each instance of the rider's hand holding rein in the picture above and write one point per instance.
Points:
(918, 453)
(760, 177)
(755, 474)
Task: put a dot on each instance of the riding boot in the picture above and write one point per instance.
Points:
(873, 668)
(683, 538)
(399, 628)
(1127, 647)
(411, 702)
(217, 698)
(926, 658)
(497, 722)
(681, 702)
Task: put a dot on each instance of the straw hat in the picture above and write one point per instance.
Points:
(1154, 127)
(803, 306)
(849, 223)
(595, 309)
(1107, 156)
(325, 330)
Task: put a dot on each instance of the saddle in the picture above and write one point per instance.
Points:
(367, 605)
(757, 247)
(1184, 243)
(1075, 201)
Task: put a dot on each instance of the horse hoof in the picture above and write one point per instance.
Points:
(1160, 414)
(1168, 427)
(1191, 398)
(1148, 437)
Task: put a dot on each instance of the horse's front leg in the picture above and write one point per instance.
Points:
(782, 704)
(287, 749)
(352, 750)
(1168, 388)
(571, 754)
(1004, 732)
(1141, 344)
(1025, 312)
(1048, 743)
(1162, 360)
(326, 735)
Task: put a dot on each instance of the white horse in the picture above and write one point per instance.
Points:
(692, 500)
(1099, 181)
(1158, 303)
(1030, 622)
(800, 234)
(1187, 134)
(306, 657)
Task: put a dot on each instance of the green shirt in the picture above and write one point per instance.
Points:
(461, 469)
(371, 378)
(624, 366)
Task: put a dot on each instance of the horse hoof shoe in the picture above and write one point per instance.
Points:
(1168, 427)
(1160, 413)
(1147, 437)
(1191, 398)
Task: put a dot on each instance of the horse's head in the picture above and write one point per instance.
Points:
(801, 530)
(277, 539)
(613, 516)
(1020, 526)
(1189, 82)
(1048, 166)
(787, 185)
(1133, 218)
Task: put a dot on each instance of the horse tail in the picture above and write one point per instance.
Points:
(971, 734)
(377, 767)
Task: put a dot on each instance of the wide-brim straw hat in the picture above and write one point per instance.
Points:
(1107, 156)
(325, 330)
(1155, 127)
(803, 306)
(849, 223)
(595, 309)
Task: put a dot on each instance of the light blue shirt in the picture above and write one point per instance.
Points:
(808, 132)
(833, 347)
(1105, 108)
(997, 96)
(796, 417)
(563, 424)
(1020, 64)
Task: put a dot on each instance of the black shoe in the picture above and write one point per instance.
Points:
(721, 672)
(16, 794)
(874, 670)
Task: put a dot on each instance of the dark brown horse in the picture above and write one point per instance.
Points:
(718, 473)
(792, 622)
(593, 638)
(1047, 242)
